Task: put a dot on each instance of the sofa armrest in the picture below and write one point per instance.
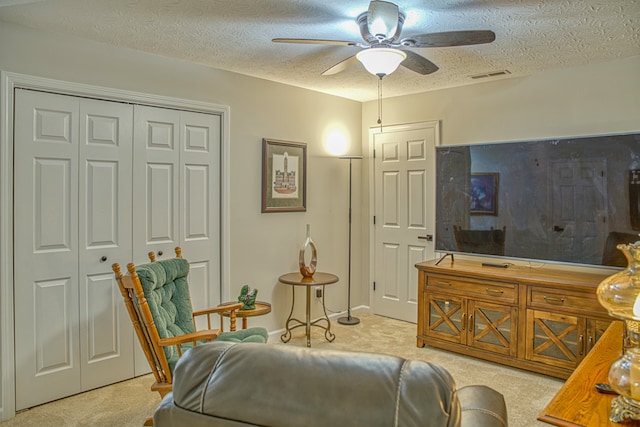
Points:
(482, 406)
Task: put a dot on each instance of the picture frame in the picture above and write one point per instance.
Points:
(634, 198)
(284, 176)
(484, 193)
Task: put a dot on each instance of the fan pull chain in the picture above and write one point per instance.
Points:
(380, 101)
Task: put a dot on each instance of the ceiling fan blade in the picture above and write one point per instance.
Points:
(382, 19)
(315, 41)
(418, 63)
(450, 38)
(340, 66)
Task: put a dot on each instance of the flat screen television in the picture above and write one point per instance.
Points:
(562, 200)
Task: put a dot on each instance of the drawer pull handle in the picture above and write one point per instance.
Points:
(464, 321)
(441, 283)
(581, 344)
(554, 300)
(494, 291)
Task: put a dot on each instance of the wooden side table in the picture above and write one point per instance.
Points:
(318, 279)
(577, 403)
(261, 309)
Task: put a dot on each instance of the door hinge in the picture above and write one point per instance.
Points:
(374, 153)
(374, 220)
(374, 285)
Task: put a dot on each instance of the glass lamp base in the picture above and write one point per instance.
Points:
(624, 408)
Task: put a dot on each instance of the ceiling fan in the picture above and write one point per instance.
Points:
(381, 28)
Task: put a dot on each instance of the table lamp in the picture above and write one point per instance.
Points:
(619, 294)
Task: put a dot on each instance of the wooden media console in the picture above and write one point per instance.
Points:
(539, 319)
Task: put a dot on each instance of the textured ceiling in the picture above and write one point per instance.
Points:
(235, 35)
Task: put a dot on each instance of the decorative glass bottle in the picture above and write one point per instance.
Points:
(308, 270)
(619, 295)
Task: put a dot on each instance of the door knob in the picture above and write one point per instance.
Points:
(558, 229)
(428, 237)
(103, 259)
(159, 253)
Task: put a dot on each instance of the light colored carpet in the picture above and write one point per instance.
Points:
(129, 403)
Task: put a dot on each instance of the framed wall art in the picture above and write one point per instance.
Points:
(634, 198)
(284, 176)
(484, 194)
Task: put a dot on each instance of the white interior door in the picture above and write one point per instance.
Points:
(105, 216)
(579, 209)
(404, 169)
(156, 185)
(72, 216)
(156, 191)
(200, 137)
(79, 207)
(177, 186)
(177, 183)
(47, 345)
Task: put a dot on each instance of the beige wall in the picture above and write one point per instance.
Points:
(588, 100)
(263, 246)
(595, 99)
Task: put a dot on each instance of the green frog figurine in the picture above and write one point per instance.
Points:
(248, 297)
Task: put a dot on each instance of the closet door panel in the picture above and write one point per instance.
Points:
(176, 185)
(200, 137)
(155, 191)
(160, 204)
(107, 354)
(47, 350)
(199, 276)
(196, 203)
(155, 182)
(106, 135)
(53, 213)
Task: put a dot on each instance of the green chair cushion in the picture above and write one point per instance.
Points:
(166, 289)
(259, 335)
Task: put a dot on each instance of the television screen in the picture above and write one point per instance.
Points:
(563, 200)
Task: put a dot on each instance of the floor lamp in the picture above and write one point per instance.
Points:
(349, 320)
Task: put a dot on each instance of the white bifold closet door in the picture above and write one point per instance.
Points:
(177, 197)
(72, 191)
(98, 182)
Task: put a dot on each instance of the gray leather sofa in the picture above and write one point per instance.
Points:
(228, 384)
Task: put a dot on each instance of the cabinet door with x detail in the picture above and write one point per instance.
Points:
(446, 318)
(555, 339)
(492, 327)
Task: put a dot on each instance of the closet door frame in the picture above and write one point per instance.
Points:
(8, 83)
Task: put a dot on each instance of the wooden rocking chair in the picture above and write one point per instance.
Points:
(157, 298)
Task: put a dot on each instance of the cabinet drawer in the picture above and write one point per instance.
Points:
(505, 292)
(554, 299)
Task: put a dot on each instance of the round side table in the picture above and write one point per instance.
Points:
(262, 308)
(318, 279)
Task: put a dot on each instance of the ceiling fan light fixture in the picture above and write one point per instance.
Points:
(381, 61)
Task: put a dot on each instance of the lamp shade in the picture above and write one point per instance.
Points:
(381, 61)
